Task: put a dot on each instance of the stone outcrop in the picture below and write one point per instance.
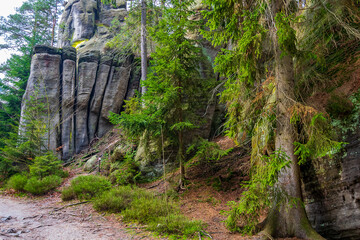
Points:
(43, 88)
(81, 81)
(332, 193)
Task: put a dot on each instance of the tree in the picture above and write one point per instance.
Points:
(121, 41)
(285, 221)
(143, 45)
(174, 87)
(266, 107)
(28, 141)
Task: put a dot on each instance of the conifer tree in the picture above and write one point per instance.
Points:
(173, 85)
(263, 104)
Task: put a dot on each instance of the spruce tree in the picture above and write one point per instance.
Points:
(174, 85)
(258, 61)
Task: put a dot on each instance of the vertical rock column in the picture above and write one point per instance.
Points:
(68, 100)
(43, 86)
(114, 94)
(104, 74)
(87, 73)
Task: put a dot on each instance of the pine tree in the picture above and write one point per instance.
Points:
(263, 104)
(173, 85)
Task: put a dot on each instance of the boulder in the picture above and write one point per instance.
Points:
(90, 164)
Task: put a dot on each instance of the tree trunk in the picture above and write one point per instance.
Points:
(54, 24)
(143, 45)
(284, 220)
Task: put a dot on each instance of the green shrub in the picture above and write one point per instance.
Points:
(126, 172)
(176, 224)
(87, 187)
(115, 200)
(42, 186)
(138, 205)
(17, 182)
(146, 210)
(120, 198)
(46, 165)
(68, 194)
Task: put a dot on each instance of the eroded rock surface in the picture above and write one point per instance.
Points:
(332, 193)
(81, 80)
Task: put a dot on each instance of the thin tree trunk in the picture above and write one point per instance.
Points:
(181, 138)
(284, 220)
(143, 45)
(54, 25)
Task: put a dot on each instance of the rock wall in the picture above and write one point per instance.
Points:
(332, 193)
(81, 81)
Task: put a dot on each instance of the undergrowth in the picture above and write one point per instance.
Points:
(207, 152)
(159, 213)
(45, 174)
(244, 215)
(85, 187)
(41, 186)
(17, 182)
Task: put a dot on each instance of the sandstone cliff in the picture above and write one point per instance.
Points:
(80, 81)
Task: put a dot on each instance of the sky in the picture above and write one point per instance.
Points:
(7, 8)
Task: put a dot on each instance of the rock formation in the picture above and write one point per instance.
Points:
(84, 81)
(81, 82)
(332, 193)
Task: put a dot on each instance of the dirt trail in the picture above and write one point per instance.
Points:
(36, 219)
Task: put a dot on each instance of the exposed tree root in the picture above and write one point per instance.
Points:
(70, 205)
(276, 225)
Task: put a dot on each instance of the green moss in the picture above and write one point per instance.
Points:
(76, 44)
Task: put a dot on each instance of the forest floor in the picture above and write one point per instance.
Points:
(210, 186)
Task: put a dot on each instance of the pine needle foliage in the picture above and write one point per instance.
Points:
(238, 64)
(244, 215)
(127, 35)
(174, 85)
(328, 41)
(241, 28)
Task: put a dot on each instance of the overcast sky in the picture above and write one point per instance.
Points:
(7, 8)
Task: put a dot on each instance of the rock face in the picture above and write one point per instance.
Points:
(81, 85)
(332, 193)
(43, 87)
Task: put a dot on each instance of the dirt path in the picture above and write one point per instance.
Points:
(36, 219)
